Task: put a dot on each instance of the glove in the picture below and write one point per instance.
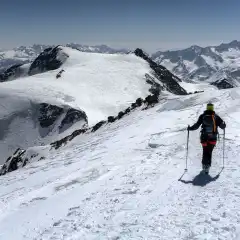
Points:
(223, 125)
(188, 128)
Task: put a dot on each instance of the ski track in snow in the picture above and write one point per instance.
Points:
(122, 182)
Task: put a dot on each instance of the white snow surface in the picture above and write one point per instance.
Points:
(168, 64)
(121, 182)
(99, 84)
(191, 66)
(192, 87)
(14, 54)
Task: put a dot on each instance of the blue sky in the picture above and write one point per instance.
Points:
(149, 24)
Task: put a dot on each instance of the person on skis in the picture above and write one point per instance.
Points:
(210, 122)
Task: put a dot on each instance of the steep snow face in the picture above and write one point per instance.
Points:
(122, 181)
(98, 84)
(197, 63)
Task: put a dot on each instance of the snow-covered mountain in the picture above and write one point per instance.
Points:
(123, 181)
(26, 54)
(211, 63)
(96, 147)
(196, 63)
(19, 55)
(70, 89)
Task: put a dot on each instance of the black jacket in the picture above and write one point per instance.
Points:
(219, 123)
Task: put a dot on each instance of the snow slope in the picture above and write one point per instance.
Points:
(192, 87)
(121, 182)
(99, 84)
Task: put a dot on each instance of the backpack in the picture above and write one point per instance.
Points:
(209, 124)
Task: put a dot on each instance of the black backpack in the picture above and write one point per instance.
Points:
(209, 124)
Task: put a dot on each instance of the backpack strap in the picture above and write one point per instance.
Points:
(214, 123)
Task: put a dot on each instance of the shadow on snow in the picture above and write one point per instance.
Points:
(201, 179)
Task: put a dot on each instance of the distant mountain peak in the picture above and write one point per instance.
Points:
(203, 63)
(196, 47)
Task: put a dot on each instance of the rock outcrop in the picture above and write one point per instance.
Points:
(14, 162)
(222, 84)
(170, 81)
(49, 59)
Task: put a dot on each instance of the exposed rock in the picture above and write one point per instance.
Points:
(65, 140)
(26, 54)
(169, 80)
(14, 162)
(60, 73)
(133, 105)
(97, 126)
(111, 119)
(72, 116)
(11, 73)
(139, 102)
(19, 159)
(48, 114)
(222, 84)
(6, 63)
(155, 88)
(151, 99)
(120, 115)
(128, 110)
(202, 63)
(49, 59)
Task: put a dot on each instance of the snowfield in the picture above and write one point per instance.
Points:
(99, 84)
(122, 182)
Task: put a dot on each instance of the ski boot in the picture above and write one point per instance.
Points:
(205, 168)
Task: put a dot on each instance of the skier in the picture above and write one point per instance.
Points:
(210, 122)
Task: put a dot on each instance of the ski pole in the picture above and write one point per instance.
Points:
(186, 168)
(223, 147)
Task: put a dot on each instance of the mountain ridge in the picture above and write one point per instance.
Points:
(197, 63)
(194, 63)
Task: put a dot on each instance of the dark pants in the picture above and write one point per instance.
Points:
(207, 152)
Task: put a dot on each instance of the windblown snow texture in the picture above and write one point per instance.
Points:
(112, 184)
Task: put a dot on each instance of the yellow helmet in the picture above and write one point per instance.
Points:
(210, 107)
